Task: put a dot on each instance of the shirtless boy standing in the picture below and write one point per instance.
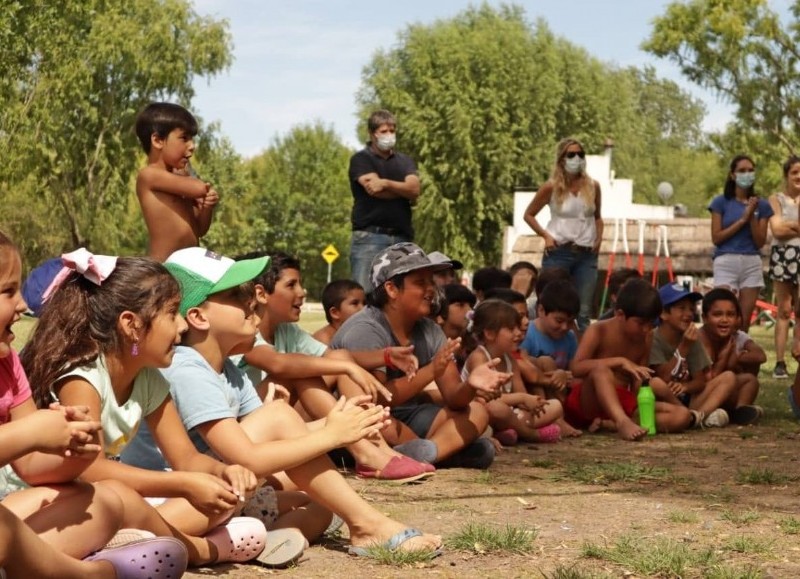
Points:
(612, 361)
(176, 205)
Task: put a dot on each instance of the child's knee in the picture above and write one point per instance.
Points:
(674, 418)
(555, 408)
(546, 363)
(499, 410)
(600, 374)
(478, 415)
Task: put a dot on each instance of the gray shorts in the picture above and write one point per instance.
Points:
(418, 417)
(737, 271)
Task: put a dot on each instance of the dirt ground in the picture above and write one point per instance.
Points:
(726, 500)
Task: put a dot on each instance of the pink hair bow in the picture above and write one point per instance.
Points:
(95, 268)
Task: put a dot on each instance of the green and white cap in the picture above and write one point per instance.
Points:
(203, 273)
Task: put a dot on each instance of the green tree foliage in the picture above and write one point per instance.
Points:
(483, 98)
(657, 126)
(473, 111)
(73, 77)
(742, 51)
(300, 200)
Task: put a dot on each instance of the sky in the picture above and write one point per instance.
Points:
(299, 61)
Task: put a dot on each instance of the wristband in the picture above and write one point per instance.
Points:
(387, 358)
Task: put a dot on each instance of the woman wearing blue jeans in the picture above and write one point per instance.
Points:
(573, 234)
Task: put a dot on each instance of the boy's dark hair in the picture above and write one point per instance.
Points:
(161, 119)
(638, 299)
(504, 294)
(459, 294)
(487, 278)
(720, 294)
(334, 294)
(548, 275)
(278, 261)
(619, 277)
(522, 265)
(560, 296)
(378, 118)
(378, 297)
(455, 293)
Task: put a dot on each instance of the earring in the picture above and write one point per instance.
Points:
(135, 349)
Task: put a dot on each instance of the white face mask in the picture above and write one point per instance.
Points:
(575, 165)
(385, 142)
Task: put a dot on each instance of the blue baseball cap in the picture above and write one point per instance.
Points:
(37, 282)
(675, 292)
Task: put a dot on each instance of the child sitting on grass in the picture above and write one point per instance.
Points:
(678, 358)
(550, 343)
(220, 406)
(287, 354)
(110, 322)
(612, 361)
(64, 520)
(340, 299)
(400, 303)
(515, 414)
(732, 350)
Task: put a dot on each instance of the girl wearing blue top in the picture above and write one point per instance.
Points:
(739, 221)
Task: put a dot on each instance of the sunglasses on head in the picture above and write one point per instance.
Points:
(572, 154)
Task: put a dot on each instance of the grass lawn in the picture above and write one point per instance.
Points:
(719, 503)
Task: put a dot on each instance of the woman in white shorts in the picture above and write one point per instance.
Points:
(739, 230)
(784, 258)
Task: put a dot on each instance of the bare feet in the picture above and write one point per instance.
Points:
(567, 430)
(628, 430)
(602, 424)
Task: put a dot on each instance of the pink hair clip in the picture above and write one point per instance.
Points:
(95, 268)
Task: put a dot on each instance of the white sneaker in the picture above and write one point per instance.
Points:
(718, 418)
(699, 417)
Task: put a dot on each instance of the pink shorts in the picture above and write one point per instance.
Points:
(575, 416)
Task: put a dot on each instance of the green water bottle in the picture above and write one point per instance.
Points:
(647, 408)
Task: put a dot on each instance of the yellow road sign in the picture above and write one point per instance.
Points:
(330, 254)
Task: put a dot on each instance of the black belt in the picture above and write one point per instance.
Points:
(575, 247)
(383, 230)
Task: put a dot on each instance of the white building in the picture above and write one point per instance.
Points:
(617, 203)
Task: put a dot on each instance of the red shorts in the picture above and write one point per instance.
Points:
(575, 416)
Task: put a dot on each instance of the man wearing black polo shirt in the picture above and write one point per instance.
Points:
(384, 185)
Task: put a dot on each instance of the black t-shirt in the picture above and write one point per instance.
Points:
(369, 211)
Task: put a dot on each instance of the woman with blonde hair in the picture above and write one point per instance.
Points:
(573, 234)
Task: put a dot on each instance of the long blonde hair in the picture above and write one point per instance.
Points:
(558, 176)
